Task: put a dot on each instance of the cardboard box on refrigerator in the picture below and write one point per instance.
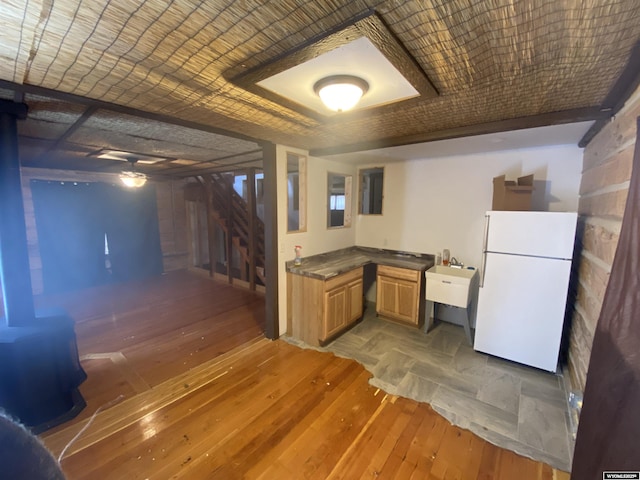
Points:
(512, 195)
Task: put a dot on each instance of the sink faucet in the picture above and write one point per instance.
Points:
(454, 262)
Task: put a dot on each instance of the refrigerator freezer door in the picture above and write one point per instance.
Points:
(541, 234)
(521, 309)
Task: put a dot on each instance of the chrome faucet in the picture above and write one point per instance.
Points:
(455, 263)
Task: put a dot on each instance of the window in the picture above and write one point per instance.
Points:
(296, 192)
(339, 200)
(371, 191)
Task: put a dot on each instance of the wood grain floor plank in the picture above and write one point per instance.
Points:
(371, 442)
(409, 442)
(430, 435)
(112, 420)
(182, 431)
(473, 457)
(383, 454)
(253, 437)
(489, 463)
(340, 469)
(299, 419)
(333, 429)
(559, 475)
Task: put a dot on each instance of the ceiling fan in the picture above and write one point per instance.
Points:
(132, 178)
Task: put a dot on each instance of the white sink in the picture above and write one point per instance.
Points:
(449, 285)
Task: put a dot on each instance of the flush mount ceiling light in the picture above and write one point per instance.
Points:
(131, 178)
(341, 92)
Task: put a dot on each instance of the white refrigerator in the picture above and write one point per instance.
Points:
(524, 285)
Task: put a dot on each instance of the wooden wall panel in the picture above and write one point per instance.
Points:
(589, 305)
(581, 335)
(172, 219)
(606, 204)
(603, 190)
(600, 242)
(618, 134)
(180, 221)
(165, 222)
(593, 276)
(614, 171)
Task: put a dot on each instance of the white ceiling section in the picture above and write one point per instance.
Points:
(359, 58)
(568, 134)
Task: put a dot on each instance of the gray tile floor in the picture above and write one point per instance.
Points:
(516, 407)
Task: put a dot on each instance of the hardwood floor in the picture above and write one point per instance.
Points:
(189, 388)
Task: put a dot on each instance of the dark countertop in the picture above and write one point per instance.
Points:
(330, 264)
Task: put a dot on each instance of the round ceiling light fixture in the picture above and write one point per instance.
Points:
(340, 92)
(131, 178)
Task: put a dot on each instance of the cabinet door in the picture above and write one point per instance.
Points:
(354, 296)
(407, 302)
(387, 296)
(335, 311)
(398, 299)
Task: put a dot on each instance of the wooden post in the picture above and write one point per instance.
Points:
(211, 227)
(211, 223)
(229, 192)
(271, 241)
(251, 218)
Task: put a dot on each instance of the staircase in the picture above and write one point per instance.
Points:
(244, 231)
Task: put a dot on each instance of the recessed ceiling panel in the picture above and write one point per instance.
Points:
(359, 58)
(364, 48)
(121, 156)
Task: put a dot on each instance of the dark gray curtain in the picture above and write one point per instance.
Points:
(133, 233)
(609, 429)
(70, 226)
(72, 220)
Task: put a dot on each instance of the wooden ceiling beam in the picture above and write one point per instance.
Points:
(99, 104)
(230, 167)
(211, 160)
(70, 131)
(622, 89)
(545, 119)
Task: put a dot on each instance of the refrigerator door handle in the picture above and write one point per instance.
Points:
(484, 265)
(485, 239)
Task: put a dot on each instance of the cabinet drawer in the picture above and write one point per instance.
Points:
(343, 278)
(402, 273)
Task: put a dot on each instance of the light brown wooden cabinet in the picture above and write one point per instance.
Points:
(398, 294)
(320, 309)
(342, 306)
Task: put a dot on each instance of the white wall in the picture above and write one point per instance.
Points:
(317, 238)
(436, 203)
